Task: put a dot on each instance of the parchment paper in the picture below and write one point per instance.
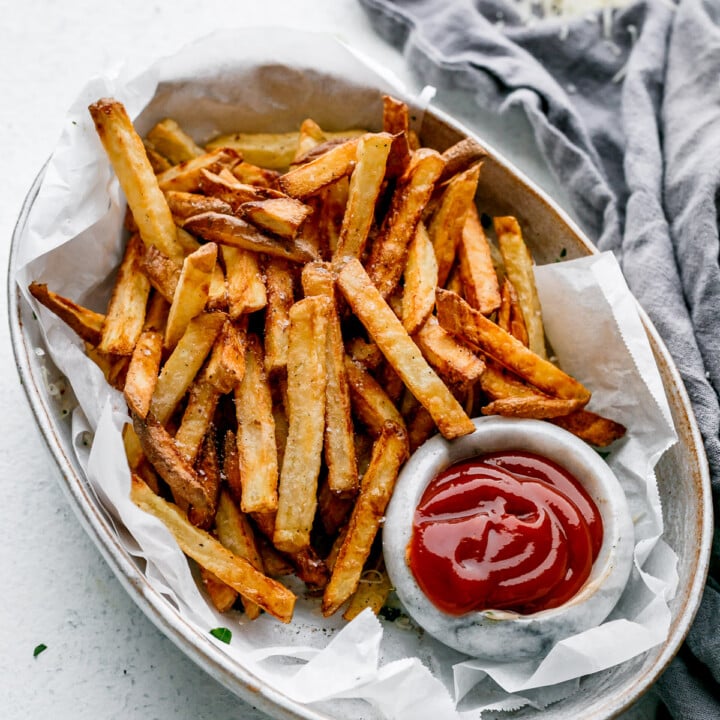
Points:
(73, 240)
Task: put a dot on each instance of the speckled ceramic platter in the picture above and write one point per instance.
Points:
(682, 475)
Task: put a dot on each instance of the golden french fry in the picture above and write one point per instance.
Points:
(257, 451)
(230, 230)
(309, 137)
(142, 374)
(454, 362)
(368, 354)
(340, 459)
(186, 204)
(86, 323)
(306, 179)
(510, 317)
(222, 596)
(532, 406)
(184, 362)
(136, 176)
(187, 176)
(401, 352)
(280, 297)
(197, 418)
(389, 452)
(191, 292)
(162, 272)
(373, 589)
(446, 226)
(519, 268)
(235, 533)
(458, 318)
(280, 216)
(460, 156)
(226, 366)
(396, 116)
(208, 468)
(159, 163)
(477, 274)
(307, 353)
(365, 183)
(251, 174)
(246, 291)
(210, 554)
(414, 188)
(126, 311)
(421, 275)
(591, 427)
(171, 141)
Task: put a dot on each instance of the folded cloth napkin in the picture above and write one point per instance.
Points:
(625, 107)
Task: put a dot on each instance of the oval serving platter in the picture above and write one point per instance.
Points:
(682, 473)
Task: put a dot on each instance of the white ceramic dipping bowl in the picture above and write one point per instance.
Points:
(500, 635)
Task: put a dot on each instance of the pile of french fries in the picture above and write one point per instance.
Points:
(293, 315)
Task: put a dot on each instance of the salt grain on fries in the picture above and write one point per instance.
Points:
(293, 314)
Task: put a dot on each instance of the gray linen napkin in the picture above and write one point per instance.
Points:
(627, 116)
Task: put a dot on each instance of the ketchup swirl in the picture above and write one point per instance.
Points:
(507, 530)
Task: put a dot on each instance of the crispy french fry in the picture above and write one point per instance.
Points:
(235, 533)
(389, 452)
(187, 176)
(170, 140)
(142, 372)
(340, 459)
(280, 297)
(191, 292)
(312, 176)
(230, 230)
(257, 452)
(197, 418)
(222, 596)
(162, 272)
(159, 163)
(126, 311)
(373, 589)
(226, 187)
(532, 406)
(401, 352)
(184, 362)
(448, 221)
(454, 362)
(251, 174)
(208, 468)
(365, 182)
(210, 554)
(460, 156)
(368, 354)
(591, 427)
(309, 137)
(246, 291)
(510, 317)
(519, 268)
(136, 176)
(307, 353)
(389, 250)
(279, 216)
(86, 323)
(458, 318)
(186, 204)
(477, 274)
(421, 275)
(226, 366)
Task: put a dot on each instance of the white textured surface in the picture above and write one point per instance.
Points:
(103, 658)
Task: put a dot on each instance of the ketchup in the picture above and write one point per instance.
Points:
(507, 530)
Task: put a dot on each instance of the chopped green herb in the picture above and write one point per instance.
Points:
(39, 648)
(222, 634)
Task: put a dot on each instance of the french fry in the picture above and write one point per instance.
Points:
(367, 354)
(310, 136)
(170, 140)
(389, 452)
(279, 216)
(162, 272)
(208, 468)
(519, 268)
(210, 554)
(510, 317)
(477, 274)
(159, 163)
(137, 179)
(307, 179)
(222, 596)
(246, 291)
(226, 366)
(197, 418)
(421, 275)
(230, 230)
(365, 182)
(297, 494)
(454, 362)
(401, 352)
(191, 292)
(184, 362)
(460, 156)
(373, 589)
(458, 318)
(251, 174)
(142, 372)
(86, 323)
(280, 297)
(186, 204)
(448, 221)
(126, 311)
(591, 427)
(235, 533)
(333, 509)
(257, 452)
(187, 176)
(533, 406)
(339, 446)
(389, 251)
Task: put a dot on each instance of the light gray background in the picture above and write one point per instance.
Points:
(104, 659)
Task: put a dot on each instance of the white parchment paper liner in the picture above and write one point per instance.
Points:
(236, 80)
